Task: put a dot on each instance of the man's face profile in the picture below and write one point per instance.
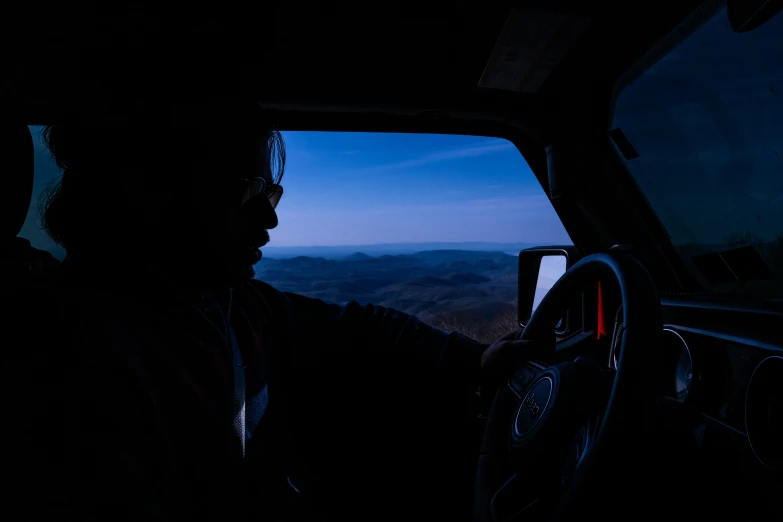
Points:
(228, 211)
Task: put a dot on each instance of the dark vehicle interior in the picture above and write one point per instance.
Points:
(664, 396)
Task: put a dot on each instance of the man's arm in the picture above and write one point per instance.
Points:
(370, 390)
(329, 329)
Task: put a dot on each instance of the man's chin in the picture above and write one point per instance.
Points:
(244, 267)
(248, 274)
(238, 275)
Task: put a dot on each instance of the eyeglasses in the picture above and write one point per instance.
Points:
(258, 186)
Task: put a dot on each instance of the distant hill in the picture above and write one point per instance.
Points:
(341, 252)
(468, 278)
(358, 256)
(472, 291)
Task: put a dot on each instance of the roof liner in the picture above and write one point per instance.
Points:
(402, 58)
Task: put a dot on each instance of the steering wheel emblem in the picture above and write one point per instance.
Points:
(533, 406)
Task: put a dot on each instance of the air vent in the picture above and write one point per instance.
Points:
(764, 412)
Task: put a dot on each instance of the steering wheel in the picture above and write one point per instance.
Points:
(569, 442)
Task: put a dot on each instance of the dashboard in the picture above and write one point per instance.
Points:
(727, 416)
(737, 373)
(677, 380)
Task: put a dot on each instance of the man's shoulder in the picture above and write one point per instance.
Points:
(258, 294)
(284, 304)
(263, 290)
(272, 295)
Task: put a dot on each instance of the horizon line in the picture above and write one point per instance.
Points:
(404, 243)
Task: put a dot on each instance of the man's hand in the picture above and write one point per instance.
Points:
(505, 355)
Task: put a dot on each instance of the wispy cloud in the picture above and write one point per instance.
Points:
(479, 149)
(526, 218)
(523, 203)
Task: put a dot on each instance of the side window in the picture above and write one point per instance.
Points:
(46, 171)
(427, 224)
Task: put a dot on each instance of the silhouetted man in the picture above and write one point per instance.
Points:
(184, 388)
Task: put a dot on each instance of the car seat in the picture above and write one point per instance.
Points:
(20, 262)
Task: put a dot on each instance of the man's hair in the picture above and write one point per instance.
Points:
(157, 136)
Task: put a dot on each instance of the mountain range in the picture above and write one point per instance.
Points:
(342, 251)
(471, 291)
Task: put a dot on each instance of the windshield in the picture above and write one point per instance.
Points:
(701, 131)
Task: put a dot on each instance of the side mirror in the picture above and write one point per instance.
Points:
(539, 269)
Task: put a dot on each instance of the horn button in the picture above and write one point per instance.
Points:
(559, 402)
(533, 407)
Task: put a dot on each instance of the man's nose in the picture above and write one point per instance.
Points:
(258, 211)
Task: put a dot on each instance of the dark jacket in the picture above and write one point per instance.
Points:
(128, 411)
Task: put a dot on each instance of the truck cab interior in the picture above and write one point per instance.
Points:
(650, 127)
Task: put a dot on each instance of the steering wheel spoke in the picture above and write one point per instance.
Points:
(517, 495)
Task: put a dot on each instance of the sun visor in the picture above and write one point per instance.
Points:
(531, 45)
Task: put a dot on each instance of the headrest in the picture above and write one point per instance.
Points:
(16, 183)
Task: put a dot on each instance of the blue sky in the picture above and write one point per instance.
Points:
(361, 188)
